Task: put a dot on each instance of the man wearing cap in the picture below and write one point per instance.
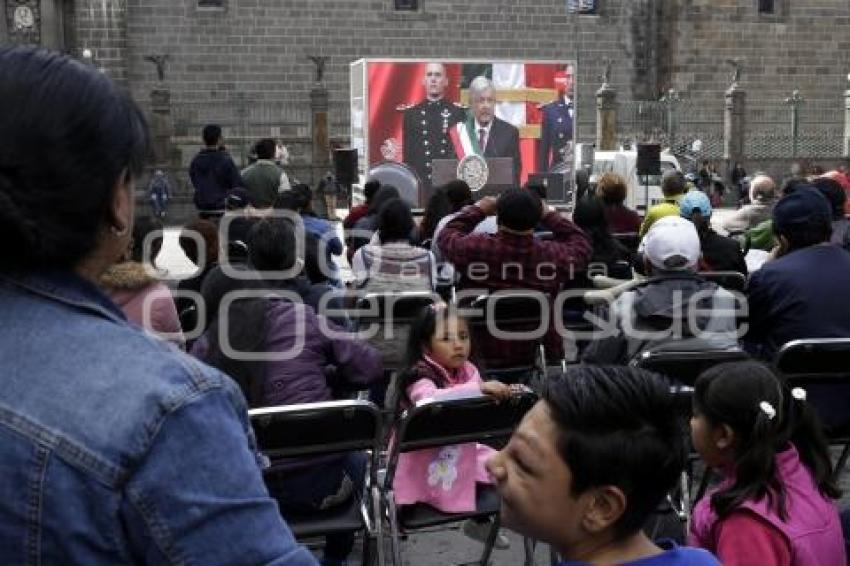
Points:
(674, 309)
(801, 293)
(719, 253)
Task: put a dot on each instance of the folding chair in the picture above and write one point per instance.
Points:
(630, 240)
(822, 367)
(729, 280)
(316, 429)
(679, 500)
(685, 366)
(387, 318)
(515, 311)
(445, 423)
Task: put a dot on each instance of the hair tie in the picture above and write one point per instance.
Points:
(768, 410)
(799, 394)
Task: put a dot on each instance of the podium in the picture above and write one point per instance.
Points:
(502, 176)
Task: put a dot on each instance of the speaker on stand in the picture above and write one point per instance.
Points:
(345, 170)
(648, 163)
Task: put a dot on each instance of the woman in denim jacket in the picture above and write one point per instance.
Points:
(114, 446)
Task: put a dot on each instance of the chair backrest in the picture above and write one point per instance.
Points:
(822, 368)
(457, 421)
(730, 280)
(685, 367)
(317, 428)
(629, 240)
(515, 307)
(399, 307)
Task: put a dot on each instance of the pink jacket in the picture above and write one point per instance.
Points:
(443, 477)
(813, 529)
(130, 287)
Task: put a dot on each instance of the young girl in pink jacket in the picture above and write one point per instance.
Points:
(444, 477)
(773, 507)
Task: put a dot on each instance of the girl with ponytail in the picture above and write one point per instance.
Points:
(773, 506)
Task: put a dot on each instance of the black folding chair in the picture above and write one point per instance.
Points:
(514, 313)
(383, 320)
(444, 423)
(729, 280)
(316, 429)
(822, 367)
(679, 500)
(629, 240)
(684, 367)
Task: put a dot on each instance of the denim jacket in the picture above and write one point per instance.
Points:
(116, 448)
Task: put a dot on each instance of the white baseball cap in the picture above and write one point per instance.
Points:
(672, 244)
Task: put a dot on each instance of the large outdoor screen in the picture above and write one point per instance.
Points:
(427, 114)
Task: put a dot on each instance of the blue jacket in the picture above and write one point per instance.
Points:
(115, 448)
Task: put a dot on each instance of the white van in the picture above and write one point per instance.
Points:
(624, 163)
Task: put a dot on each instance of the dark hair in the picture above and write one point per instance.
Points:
(438, 208)
(265, 148)
(458, 193)
(730, 394)
(247, 326)
(792, 184)
(538, 189)
(834, 193)
(612, 189)
(618, 426)
(370, 188)
(303, 195)
(271, 245)
(518, 209)
(237, 199)
(142, 227)
(395, 221)
(589, 215)
(384, 194)
(422, 330)
(211, 134)
(673, 183)
(288, 200)
(209, 233)
(69, 136)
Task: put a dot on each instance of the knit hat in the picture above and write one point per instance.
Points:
(672, 244)
(803, 205)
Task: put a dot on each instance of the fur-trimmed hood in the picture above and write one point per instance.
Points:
(126, 276)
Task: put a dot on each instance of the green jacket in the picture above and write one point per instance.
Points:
(761, 236)
(669, 207)
(262, 181)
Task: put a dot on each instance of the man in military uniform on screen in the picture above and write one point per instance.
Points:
(556, 134)
(426, 125)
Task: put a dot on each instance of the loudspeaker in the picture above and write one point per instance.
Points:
(345, 166)
(648, 159)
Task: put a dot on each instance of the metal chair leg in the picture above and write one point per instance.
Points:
(491, 540)
(394, 534)
(379, 526)
(528, 547)
(842, 460)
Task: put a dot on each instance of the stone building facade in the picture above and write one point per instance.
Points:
(252, 54)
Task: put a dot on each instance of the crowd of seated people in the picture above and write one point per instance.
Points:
(119, 446)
